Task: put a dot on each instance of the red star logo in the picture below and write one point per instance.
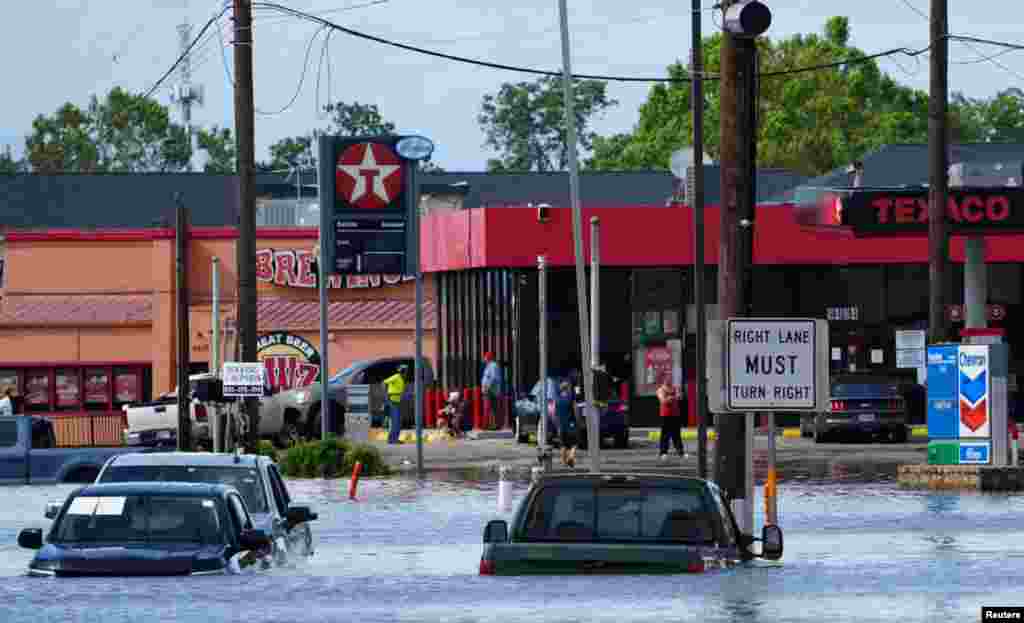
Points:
(369, 176)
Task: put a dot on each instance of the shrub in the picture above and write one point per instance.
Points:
(266, 448)
(330, 458)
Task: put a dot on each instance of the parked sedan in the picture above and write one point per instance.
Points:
(620, 523)
(863, 405)
(149, 529)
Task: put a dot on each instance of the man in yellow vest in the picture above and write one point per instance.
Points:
(395, 386)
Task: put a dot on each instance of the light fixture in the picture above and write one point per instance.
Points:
(749, 18)
(415, 147)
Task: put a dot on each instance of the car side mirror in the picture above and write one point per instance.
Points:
(496, 531)
(30, 538)
(300, 514)
(771, 542)
(254, 539)
(52, 510)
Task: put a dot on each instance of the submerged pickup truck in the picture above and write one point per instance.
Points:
(156, 423)
(621, 523)
(29, 454)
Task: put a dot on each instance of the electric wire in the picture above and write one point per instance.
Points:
(302, 78)
(181, 58)
(542, 72)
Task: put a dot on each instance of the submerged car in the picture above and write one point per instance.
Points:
(149, 529)
(620, 523)
(256, 478)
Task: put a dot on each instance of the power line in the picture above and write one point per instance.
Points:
(529, 70)
(186, 52)
(1002, 44)
(302, 77)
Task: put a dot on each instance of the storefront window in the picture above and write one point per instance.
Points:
(127, 386)
(69, 389)
(657, 364)
(657, 329)
(9, 378)
(37, 390)
(97, 389)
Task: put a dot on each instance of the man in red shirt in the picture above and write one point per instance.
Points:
(671, 420)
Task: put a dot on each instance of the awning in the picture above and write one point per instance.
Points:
(76, 310)
(283, 314)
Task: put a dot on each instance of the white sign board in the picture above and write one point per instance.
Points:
(773, 365)
(243, 380)
(910, 339)
(913, 358)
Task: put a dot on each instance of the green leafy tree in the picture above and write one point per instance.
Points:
(8, 165)
(291, 152)
(219, 145)
(357, 119)
(122, 132)
(525, 122)
(810, 121)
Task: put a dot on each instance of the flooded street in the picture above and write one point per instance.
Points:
(856, 550)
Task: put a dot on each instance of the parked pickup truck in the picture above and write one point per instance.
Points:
(29, 454)
(621, 523)
(154, 421)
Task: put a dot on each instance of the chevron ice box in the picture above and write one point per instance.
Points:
(966, 402)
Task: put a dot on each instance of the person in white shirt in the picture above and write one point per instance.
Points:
(6, 404)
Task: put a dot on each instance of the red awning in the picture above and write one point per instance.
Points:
(76, 310)
(281, 314)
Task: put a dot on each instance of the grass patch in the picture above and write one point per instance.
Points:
(330, 458)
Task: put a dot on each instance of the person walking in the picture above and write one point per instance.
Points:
(395, 387)
(564, 407)
(491, 385)
(671, 421)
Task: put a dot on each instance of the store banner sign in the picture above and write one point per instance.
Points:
(290, 360)
(943, 401)
(905, 212)
(296, 268)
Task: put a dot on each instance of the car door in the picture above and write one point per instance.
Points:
(299, 537)
(13, 453)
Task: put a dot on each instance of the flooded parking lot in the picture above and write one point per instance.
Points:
(858, 548)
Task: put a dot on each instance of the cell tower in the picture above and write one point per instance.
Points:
(184, 94)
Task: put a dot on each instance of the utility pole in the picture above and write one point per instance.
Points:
(246, 250)
(743, 21)
(181, 286)
(184, 94)
(938, 174)
(593, 425)
(696, 190)
(730, 428)
(577, 222)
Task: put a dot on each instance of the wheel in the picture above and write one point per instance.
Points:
(290, 433)
(622, 440)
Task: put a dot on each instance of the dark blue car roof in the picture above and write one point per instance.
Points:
(188, 459)
(181, 489)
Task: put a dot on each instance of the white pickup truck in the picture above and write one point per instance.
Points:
(156, 423)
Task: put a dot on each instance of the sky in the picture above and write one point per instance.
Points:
(90, 46)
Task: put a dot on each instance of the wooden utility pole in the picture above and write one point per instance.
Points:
(184, 351)
(245, 251)
(938, 174)
(730, 428)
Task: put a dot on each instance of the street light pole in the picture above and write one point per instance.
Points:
(697, 206)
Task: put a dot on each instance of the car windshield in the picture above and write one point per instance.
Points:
(135, 518)
(622, 514)
(246, 479)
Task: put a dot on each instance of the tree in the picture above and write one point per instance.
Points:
(809, 122)
(219, 145)
(123, 133)
(353, 119)
(8, 165)
(357, 119)
(525, 122)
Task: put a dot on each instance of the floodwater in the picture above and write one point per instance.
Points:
(858, 548)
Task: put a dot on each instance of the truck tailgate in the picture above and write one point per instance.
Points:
(567, 558)
(152, 417)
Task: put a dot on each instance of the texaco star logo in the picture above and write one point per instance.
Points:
(369, 176)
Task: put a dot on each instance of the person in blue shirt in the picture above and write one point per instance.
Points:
(564, 411)
(491, 385)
